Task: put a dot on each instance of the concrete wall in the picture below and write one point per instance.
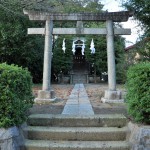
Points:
(139, 136)
(11, 138)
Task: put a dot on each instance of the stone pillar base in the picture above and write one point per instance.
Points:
(45, 97)
(112, 97)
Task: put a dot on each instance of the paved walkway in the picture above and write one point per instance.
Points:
(78, 102)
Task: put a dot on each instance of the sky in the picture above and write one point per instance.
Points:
(114, 5)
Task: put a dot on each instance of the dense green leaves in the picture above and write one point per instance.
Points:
(62, 61)
(15, 45)
(138, 92)
(69, 6)
(99, 59)
(120, 59)
(15, 96)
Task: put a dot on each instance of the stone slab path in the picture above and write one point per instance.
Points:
(78, 102)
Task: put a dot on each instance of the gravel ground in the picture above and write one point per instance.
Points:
(94, 91)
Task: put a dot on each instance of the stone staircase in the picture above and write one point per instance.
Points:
(79, 78)
(72, 132)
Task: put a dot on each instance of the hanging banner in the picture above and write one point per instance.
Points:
(92, 48)
(83, 47)
(63, 46)
(73, 48)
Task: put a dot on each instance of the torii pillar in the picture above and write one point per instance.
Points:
(111, 95)
(47, 95)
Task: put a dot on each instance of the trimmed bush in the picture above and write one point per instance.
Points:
(138, 92)
(15, 95)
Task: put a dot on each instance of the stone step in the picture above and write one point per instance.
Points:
(115, 120)
(75, 145)
(79, 78)
(77, 133)
(77, 81)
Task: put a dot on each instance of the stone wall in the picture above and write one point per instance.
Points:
(93, 79)
(11, 138)
(139, 136)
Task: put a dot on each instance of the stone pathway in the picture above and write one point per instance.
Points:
(78, 102)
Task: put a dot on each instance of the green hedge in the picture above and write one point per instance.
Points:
(138, 92)
(15, 95)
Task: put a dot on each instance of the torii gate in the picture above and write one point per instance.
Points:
(47, 94)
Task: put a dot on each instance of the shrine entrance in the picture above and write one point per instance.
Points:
(47, 94)
(79, 72)
(79, 62)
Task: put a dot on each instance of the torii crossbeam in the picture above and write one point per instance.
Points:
(78, 31)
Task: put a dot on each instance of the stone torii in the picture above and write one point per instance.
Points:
(47, 94)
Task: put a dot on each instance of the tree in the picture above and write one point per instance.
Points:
(143, 49)
(27, 51)
(16, 47)
(62, 61)
(120, 59)
(141, 9)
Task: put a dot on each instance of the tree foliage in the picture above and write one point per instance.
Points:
(19, 48)
(141, 9)
(97, 60)
(69, 6)
(62, 61)
(143, 49)
(138, 89)
(15, 45)
(15, 96)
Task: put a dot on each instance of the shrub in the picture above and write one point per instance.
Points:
(138, 92)
(15, 95)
